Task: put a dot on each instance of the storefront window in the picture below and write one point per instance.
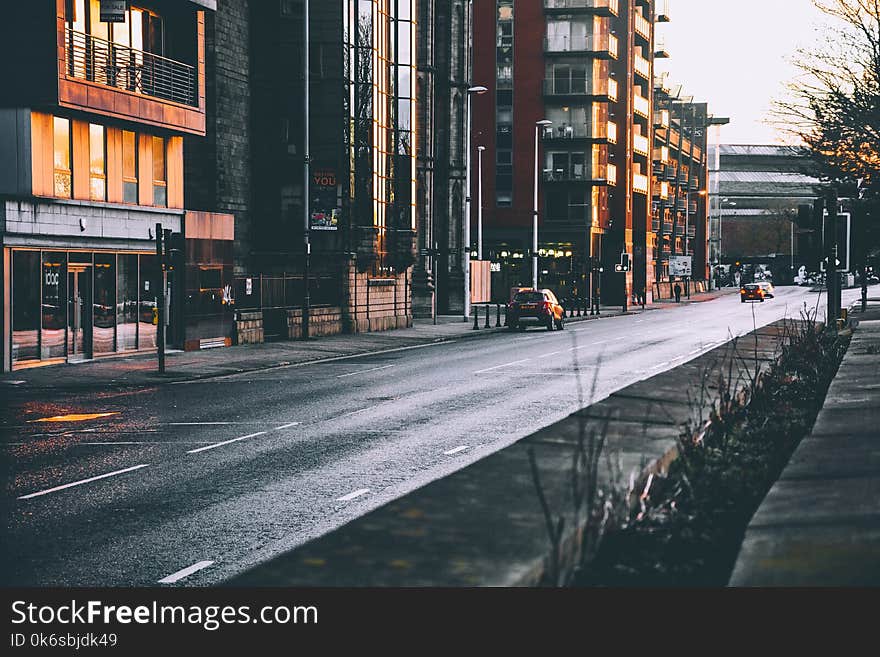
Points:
(148, 309)
(25, 305)
(54, 305)
(104, 303)
(127, 302)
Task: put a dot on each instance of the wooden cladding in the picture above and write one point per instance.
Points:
(117, 170)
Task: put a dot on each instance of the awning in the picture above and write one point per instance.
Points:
(207, 4)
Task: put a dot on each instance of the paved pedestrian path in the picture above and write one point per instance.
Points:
(820, 523)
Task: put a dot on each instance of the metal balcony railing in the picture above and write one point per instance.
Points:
(667, 227)
(642, 105)
(576, 131)
(642, 66)
(604, 7)
(641, 144)
(655, 226)
(643, 26)
(598, 44)
(96, 60)
(578, 87)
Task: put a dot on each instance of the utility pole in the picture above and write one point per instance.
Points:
(160, 301)
(307, 246)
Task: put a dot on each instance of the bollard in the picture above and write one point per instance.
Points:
(506, 310)
(487, 317)
(497, 315)
(476, 319)
(580, 305)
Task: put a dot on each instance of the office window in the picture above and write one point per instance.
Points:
(160, 174)
(97, 163)
(129, 167)
(61, 139)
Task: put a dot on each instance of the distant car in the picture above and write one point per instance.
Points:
(767, 286)
(751, 292)
(531, 306)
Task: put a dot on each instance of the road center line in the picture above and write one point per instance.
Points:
(227, 442)
(197, 424)
(552, 353)
(186, 572)
(498, 367)
(84, 481)
(286, 426)
(353, 495)
(457, 450)
(374, 369)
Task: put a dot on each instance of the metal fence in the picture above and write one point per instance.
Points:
(262, 292)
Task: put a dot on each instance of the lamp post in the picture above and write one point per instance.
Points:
(466, 232)
(307, 247)
(480, 150)
(538, 125)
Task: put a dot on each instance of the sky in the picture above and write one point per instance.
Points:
(734, 55)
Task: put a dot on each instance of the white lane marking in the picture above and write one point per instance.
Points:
(351, 496)
(360, 410)
(664, 363)
(186, 572)
(286, 426)
(374, 369)
(84, 481)
(498, 367)
(552, 353)
(133, 442)
(457, 450)
(197, 424)
(12, 383)
(227, 442)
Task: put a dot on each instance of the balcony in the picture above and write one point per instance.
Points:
(667, 228)
(640, 183)
(642, 106)
(102, 62)
(661, 157)
(642, 67)
(602, 46)
(655, 226)
(580, 87)
(661, 119)
(575, 173)
(643, 27)
(567, 131)
(671, 173)
(598, 7)
(611, 174)
(641, 145)
(662, 11)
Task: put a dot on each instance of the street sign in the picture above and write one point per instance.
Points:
(113, 11)
(679, 265)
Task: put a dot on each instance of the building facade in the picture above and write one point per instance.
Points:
(759, 190)
(92, 125)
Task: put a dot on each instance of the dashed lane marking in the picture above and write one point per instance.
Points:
(84, 481)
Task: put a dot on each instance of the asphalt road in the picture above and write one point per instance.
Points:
(188, 484)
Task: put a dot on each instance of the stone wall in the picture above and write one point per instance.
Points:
(248, 327)
(322, 322)
(378, 304)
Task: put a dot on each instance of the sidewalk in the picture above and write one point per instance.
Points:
(820, 523)
(141, 370)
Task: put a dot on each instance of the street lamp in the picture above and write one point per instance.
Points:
(466, 232)
(538, 125)
(480, 150)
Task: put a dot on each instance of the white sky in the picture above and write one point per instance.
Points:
(733, 55)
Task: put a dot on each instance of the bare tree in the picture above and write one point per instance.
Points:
(834, 104)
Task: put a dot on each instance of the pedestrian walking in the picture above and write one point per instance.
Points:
(677, 291)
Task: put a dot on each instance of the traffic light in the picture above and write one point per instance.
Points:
(171, 246)
(625, 263)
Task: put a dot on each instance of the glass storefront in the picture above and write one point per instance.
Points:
(78, 305)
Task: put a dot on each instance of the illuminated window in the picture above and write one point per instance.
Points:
(129, 167)
(97, 169)
(160, 173)
(61, 139)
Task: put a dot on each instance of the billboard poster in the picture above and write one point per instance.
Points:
(325, 210)
(679, 265)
